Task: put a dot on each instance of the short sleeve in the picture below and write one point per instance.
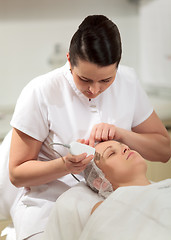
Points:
(143, 107)
(30, 115)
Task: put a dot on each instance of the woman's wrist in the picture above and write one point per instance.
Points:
(65, 166)
(60, 168)
(118, 135)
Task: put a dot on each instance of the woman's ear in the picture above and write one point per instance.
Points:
(68, 57)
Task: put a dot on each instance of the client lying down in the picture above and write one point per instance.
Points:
(128, 205)
(116, 167)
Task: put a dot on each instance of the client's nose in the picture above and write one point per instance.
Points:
(125, 149)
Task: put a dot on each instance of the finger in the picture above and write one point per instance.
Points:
(81, 141)
(87, 142)
(76, 158)
(98, 135)
(91, 142)
(92, 136)
(87, 159)
(112, 133)
(105, 133)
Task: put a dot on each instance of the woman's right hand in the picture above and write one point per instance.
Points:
(77, 163)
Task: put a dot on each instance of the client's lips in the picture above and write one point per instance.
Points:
(129, 155)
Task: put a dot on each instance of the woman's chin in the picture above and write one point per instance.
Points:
(90, 95)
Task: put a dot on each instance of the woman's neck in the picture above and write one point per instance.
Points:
(141, 181)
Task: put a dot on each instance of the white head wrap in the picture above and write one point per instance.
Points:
(96, 180)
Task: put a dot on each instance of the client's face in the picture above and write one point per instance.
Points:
(119, 164)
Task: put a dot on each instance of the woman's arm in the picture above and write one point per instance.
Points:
(25, 170)
(149, 138)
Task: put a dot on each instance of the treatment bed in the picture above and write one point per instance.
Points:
(134, 212)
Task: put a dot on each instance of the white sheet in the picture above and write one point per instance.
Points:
(70, 213)
(132, 213)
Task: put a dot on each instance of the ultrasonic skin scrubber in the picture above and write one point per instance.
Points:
(76, 148)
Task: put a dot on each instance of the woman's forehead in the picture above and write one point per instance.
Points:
(100, 147)
(93, 71)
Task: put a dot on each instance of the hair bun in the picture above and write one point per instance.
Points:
(92, 21)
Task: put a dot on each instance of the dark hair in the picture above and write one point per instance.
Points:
(97, 40)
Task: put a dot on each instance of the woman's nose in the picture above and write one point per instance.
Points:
(125, 149)
(95, 88)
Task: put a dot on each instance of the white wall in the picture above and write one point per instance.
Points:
(28, 34)
(155, 54)
(25, 50)
(155, 43)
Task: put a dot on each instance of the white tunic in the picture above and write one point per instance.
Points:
(51, 109)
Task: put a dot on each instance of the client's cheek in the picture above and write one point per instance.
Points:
(99, 164)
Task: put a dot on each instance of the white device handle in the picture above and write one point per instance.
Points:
(77, 148)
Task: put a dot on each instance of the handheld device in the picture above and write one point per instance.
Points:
(77, 148)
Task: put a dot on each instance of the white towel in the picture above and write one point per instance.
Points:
(133, 213)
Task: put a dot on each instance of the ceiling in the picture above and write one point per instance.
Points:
(63, 9)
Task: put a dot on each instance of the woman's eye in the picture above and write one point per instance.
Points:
(83, 80)
(112, 153)
(105, 81)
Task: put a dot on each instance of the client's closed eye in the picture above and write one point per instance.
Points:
(111, 153)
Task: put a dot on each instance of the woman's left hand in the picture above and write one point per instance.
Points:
(102, 132)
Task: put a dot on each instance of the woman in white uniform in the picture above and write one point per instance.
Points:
(91, 97)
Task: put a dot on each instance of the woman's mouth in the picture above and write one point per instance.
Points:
(129, 155)
(91, 95)
(89, 92)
